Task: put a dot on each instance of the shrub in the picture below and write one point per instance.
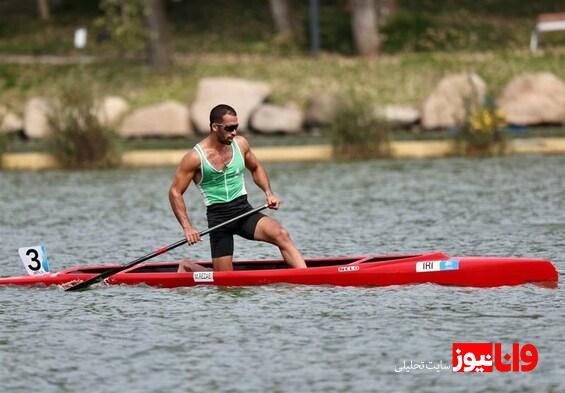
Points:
(78, 139)
(458, 31)
(335, 31)
(357, 133)
(407, 31)
(481, 133)
(124, 21)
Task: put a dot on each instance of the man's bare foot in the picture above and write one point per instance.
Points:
(186, 266)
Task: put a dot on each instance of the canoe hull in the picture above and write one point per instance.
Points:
(368, 271)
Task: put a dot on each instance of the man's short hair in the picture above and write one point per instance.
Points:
(217, 113)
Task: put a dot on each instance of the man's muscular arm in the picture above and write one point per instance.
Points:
(258, 172)
(183, 176)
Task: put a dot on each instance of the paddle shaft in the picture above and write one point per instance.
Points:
(159, 251)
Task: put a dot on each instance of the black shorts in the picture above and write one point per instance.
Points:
(221, 240)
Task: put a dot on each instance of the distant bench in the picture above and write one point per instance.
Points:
(546, 22)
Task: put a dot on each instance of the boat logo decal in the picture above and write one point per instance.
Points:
(203, 276)
(437, 266)
(342, 269)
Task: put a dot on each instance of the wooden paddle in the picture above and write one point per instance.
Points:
(159, 251)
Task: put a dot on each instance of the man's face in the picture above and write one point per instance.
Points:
(227, 129)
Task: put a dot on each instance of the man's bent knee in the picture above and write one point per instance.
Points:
(281, 237)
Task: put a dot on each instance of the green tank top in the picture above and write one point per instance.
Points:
(222, 186)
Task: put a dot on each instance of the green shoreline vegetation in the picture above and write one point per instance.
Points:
(421, 42)
(400, 79)
(247, 27)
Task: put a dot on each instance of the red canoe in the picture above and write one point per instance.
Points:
(436, 268)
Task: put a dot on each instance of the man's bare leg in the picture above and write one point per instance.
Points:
(186, 266)
(269, 230)
(223, 263)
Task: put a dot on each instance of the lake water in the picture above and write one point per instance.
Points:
(284, 338)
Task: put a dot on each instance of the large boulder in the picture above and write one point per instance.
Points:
(167, 119)
(398, 114)
(111, 110)
(447, 105)
(534, 98)
(243, 95)
(270, 118)
(9, 122)
(36, 125)
(321, 109)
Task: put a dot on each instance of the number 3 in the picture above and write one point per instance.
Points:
(34, 259)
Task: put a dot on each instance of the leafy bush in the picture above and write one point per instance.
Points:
(408, 31)
(125, 22)
(482, 133)
(335, 31)
(357, 133)
(78, 139)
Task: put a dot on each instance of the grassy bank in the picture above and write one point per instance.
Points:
(424, 40)
(392, 79)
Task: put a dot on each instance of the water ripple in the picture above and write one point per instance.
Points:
(283, 338)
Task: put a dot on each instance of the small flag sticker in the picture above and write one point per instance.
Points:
(437, 266)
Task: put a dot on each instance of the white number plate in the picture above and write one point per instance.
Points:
(34, 259)
(203, 276)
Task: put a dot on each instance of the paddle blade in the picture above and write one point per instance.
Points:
(84, 285)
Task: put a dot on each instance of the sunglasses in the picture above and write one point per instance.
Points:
(230, 128)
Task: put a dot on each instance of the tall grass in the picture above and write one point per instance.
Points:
(356, 132)
(78, 139)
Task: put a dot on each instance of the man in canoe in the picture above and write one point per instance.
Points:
(216, 165)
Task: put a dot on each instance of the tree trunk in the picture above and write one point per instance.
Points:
(157, 40)
(281, 16)
(364, 25)
(43, 8)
